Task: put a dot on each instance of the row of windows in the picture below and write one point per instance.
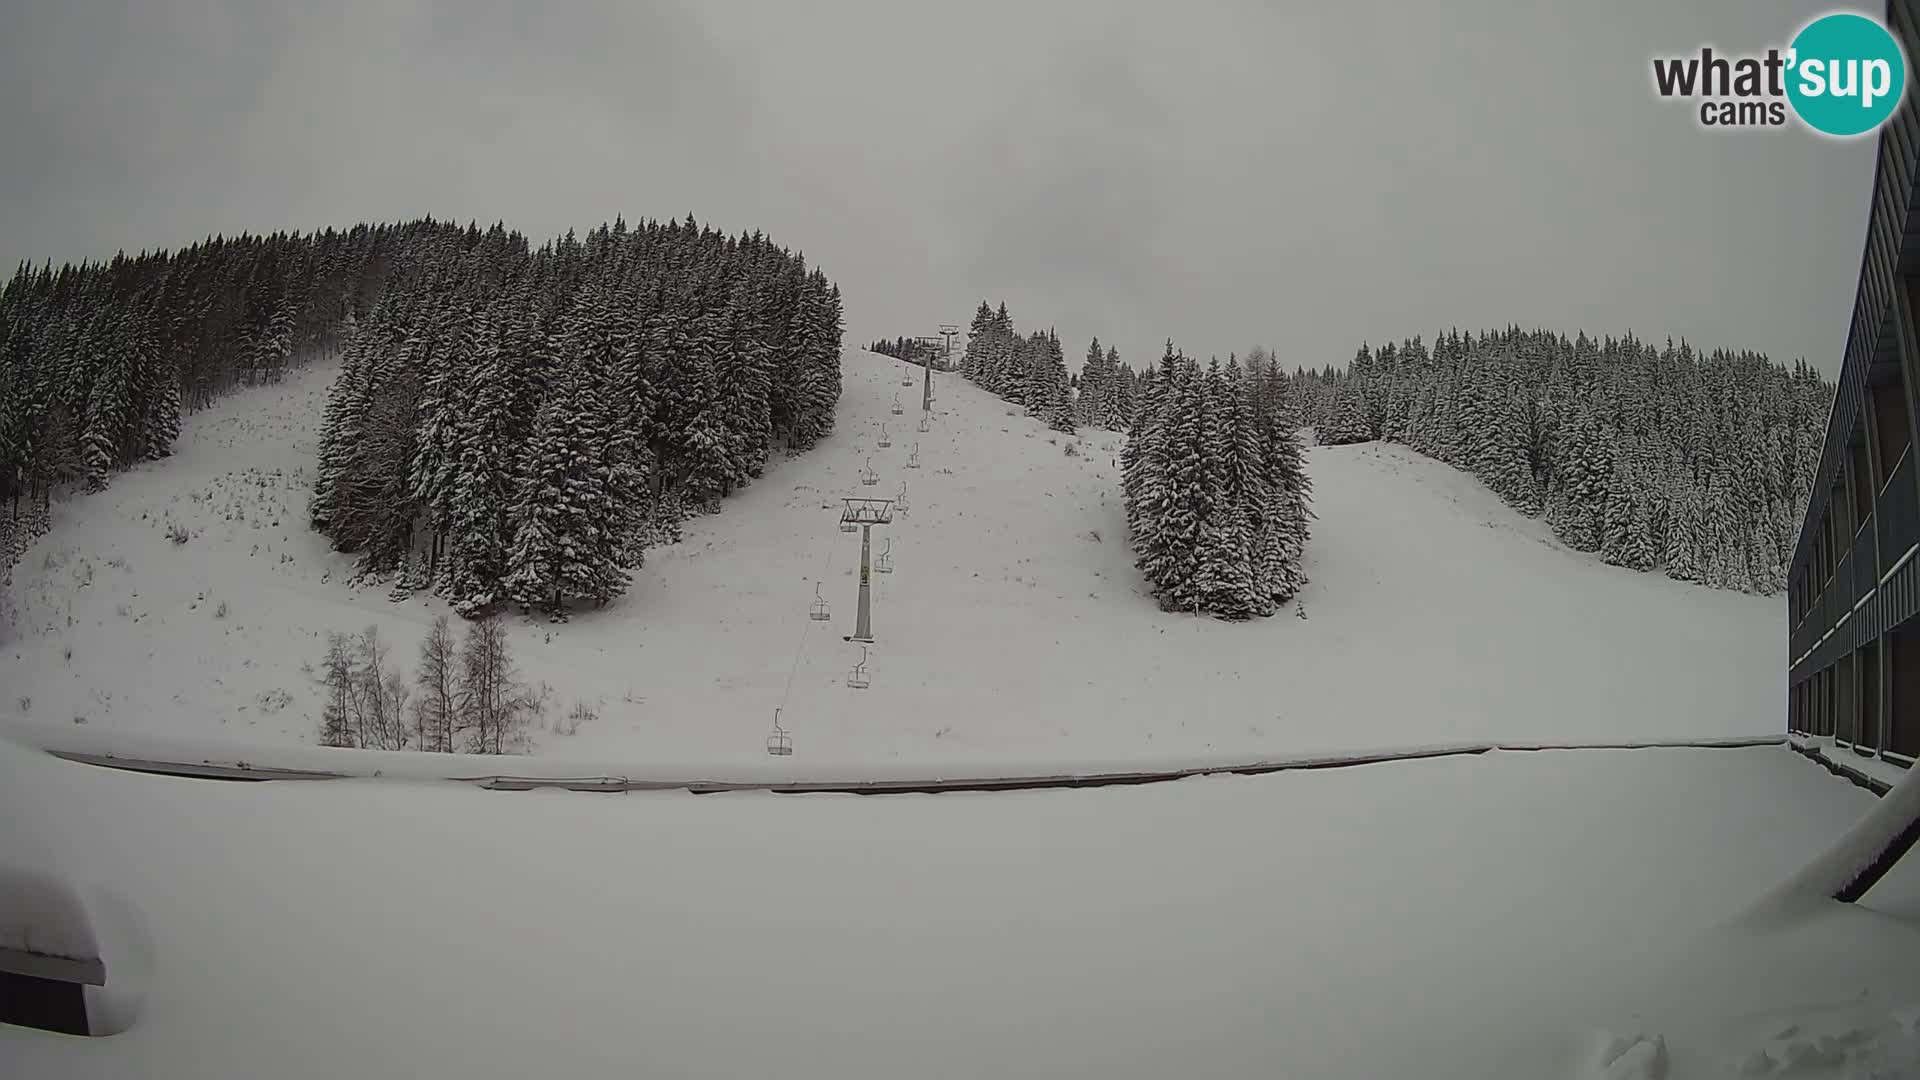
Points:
(1878, 446)
(1848, 699)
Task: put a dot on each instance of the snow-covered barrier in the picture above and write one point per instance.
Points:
(1858, 859)
(219, 759)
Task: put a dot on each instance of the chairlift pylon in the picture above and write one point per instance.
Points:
(883, 562)
(868, 476)
(818, 610)
(779, 741)
(858, 678)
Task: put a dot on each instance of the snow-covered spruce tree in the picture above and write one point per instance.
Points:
(1095, 389)
(1049, 394)
(1347, 416)
(558, 547)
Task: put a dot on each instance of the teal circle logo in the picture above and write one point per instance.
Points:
(1846, 74)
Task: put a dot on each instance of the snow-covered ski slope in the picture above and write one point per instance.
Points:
(1013, 628)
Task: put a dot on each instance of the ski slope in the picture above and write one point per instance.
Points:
(1498, 916)
(1013, 629)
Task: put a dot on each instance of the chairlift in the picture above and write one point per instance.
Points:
(857, 678)
(906, 375)
(897, 407)
(779, 742)
(883, 562)
(818, 611)
(886, 440)
(900, 500)
(868, 476)
(925, 424)
(913, 459)
(848, 526)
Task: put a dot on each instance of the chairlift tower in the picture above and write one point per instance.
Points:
(926, 388)
(866, 513)
(948, 331)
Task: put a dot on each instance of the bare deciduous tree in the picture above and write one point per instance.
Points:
(382, 693)
(495, 706)
(437, 719)
(337, 715)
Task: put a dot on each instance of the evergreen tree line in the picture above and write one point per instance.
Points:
(1216, 488)
(1029, 370)
(911, 350)
(469, 698)
(1106, 392)
(99, 360)
(1657, 458)
(517, 427)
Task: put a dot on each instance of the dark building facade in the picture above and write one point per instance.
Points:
(1853, 587)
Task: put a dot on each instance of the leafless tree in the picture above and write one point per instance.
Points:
(382, 695)
(337, 716)
(495, 706)
(437, 719)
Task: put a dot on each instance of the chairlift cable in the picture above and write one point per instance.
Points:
(801, 650)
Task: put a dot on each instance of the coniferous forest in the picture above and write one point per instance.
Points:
(911, 350)
(1029, 370)
(1696, 465)
(509, 424)
(1216, 488)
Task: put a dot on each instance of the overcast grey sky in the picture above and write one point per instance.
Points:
(1222, 172)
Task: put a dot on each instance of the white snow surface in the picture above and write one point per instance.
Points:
(1489, 917)
(1014, 629)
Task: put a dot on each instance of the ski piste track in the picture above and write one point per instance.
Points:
(183, 758)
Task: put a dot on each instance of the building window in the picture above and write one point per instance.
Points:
(1863, 485)
(1903, 712)
(1869, 665)
(1890, 422)
(1845, 726)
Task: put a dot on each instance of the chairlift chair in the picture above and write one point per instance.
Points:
(848, 526)
(886, 440)
(779, 742)
(913, 459)
(906, 375)
(900, 500)
(868, 476)
(818, 611)
(883, 562)
(857, 678)
(925, 424)
(897, 407)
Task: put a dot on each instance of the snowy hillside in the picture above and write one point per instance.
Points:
(1013, 627)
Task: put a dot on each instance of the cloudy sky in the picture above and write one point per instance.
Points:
(1222, 172)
